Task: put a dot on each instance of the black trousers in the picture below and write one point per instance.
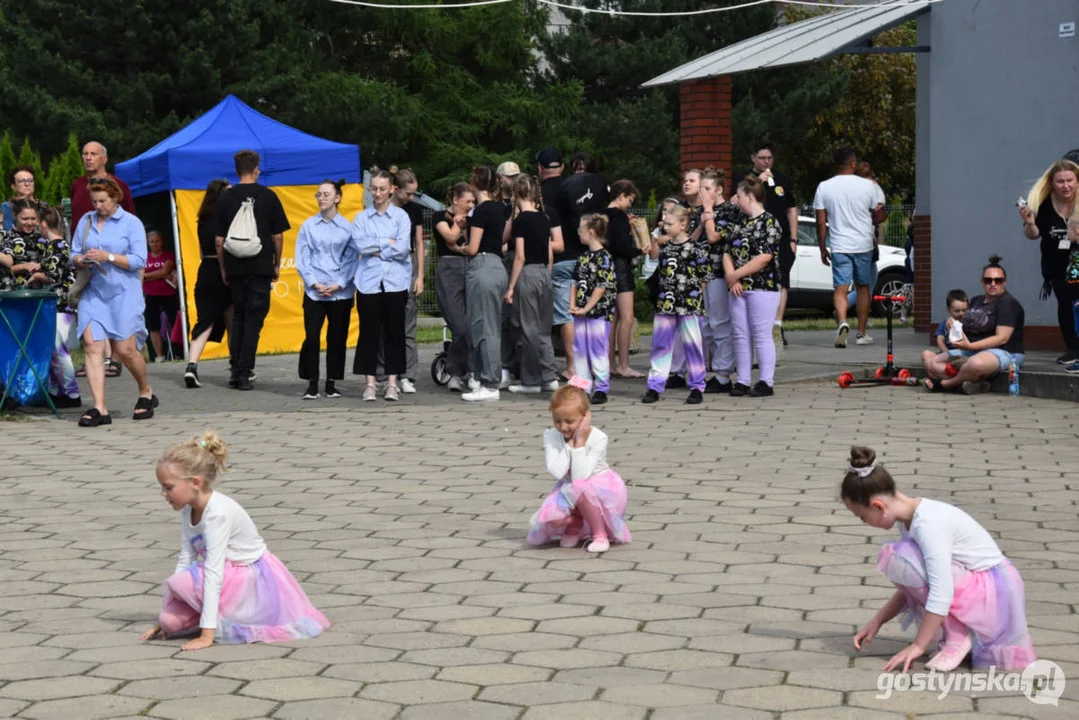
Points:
(1066, 295)
(382, 316)
(338, 314)
(250, 303)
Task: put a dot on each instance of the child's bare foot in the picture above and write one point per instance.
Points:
(569, 541)
(151, 633)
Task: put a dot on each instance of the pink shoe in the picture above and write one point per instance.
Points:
(950, 655)
(599, 545)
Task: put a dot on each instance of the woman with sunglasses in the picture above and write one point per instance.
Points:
(992, 338)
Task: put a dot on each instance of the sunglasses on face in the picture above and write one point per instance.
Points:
(992, 281)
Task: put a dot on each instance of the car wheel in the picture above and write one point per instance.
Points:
(889, 284)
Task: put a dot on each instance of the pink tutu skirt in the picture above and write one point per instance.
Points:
(260, 602)
(606, 491)
(990, 603)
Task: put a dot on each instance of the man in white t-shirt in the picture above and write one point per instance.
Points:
(848, 207)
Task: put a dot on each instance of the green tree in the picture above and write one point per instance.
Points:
(8, 161)
(63, 169)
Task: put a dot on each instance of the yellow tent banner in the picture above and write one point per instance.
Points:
(283, 330)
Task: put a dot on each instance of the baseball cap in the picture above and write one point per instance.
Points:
(508, 169)
(549, 157)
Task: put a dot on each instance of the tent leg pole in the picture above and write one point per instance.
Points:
(180, 277)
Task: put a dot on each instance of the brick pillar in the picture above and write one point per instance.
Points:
(923, 274)
(706, 123)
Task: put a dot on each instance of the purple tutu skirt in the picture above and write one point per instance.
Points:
(605, 491)
(260, 602)
(990, 603)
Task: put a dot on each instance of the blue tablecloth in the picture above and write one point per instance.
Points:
(16, 374)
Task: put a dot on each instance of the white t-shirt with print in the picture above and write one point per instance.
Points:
(849, 201)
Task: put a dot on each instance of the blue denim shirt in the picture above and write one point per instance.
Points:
(9, 218)
(326, 254)
(121, 234)
(383, 263)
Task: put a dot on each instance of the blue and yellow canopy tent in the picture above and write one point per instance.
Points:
(293, 164)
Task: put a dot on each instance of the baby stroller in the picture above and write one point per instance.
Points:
(439, 374)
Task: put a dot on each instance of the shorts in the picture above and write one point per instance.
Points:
(157, 304)
(1004, 358)
(786, 264)
(624, 277)
(848, 266)
(562, 279)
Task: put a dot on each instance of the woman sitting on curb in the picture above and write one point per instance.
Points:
(992, 338)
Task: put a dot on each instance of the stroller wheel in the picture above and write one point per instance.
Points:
(439, 374)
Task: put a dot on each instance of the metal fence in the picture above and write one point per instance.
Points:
(895, 233)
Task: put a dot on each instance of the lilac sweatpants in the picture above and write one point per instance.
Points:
(666, 329)
(591, 338)
(752, 317)
(61, 370)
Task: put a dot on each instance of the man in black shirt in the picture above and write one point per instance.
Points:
(549, 167)
(779, 201)
(249, 278)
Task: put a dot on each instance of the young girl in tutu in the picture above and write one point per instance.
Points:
(226, 582)
(950, 574)
(589, 499)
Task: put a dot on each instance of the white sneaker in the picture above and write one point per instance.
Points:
(159, 359)
(507, 380)
(407, 387)
(863, 340)
(524, 389)
(481, 395)
(841, 335)
(391, 393)
(473, 384)
(454, 385)
(551, 386)
(370, 393)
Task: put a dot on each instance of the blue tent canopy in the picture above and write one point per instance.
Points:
(203, 150)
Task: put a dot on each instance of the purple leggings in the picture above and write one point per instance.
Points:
(591, 338)
(665, 330)
(752, 317)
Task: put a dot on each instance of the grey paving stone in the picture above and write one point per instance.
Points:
(300, 688)
(536, 693)
(55, 688)
(591, 710)
(95, 707)
(169, 688)
(472, 710)
(489, 675)
(337, 709)
(213, 707)
(376, 672)
(418, 692)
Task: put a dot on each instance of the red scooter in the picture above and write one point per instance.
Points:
(889, 374)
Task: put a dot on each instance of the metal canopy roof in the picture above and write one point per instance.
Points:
(810, 40)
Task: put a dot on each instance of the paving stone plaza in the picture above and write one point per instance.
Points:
(406, 525)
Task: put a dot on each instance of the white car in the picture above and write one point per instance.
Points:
(811, 280)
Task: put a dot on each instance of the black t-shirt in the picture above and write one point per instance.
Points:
(579, 195)
(549, 192)
(619, 235)
(982, 319)
(490, 216)
(441, 249)
(1053, 229)
(415, 219)
(270, 220)
(778, 199)
(535, 228)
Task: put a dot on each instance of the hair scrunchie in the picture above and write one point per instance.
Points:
(862, 472)
(579, 382)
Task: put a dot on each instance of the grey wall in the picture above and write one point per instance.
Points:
(1003, 105)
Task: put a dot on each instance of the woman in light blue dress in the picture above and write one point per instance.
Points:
(112, 243)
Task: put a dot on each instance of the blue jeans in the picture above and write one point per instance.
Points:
(562, 279)
(1004, 358)
(848, 266)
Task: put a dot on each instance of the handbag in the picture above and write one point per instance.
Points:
(82, 278)
(641, 236)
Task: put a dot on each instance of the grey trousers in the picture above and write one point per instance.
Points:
(534, 299)
(412, 358)
(450, 290)
(511, 327)
(485, 287)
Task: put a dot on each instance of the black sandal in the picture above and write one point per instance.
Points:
(93, 418)
(146, 405)
(113, 368)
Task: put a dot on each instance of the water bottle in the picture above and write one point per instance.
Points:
(1013, 380)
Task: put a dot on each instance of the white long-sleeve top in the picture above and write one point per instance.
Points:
(945, 534)
(225, 532)
(577, 463)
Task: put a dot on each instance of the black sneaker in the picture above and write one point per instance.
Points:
(650, 397)
(739, 390)
(675, 381)
(599, 398)
(762, 389)
(191, 376)
(312, 391)
(1068, 358)
(331, 390)
(243, 383)
(695, 397)
(63, 401)
(715, 386)
(234, 381)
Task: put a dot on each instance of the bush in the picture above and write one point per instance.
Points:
(643, 307)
